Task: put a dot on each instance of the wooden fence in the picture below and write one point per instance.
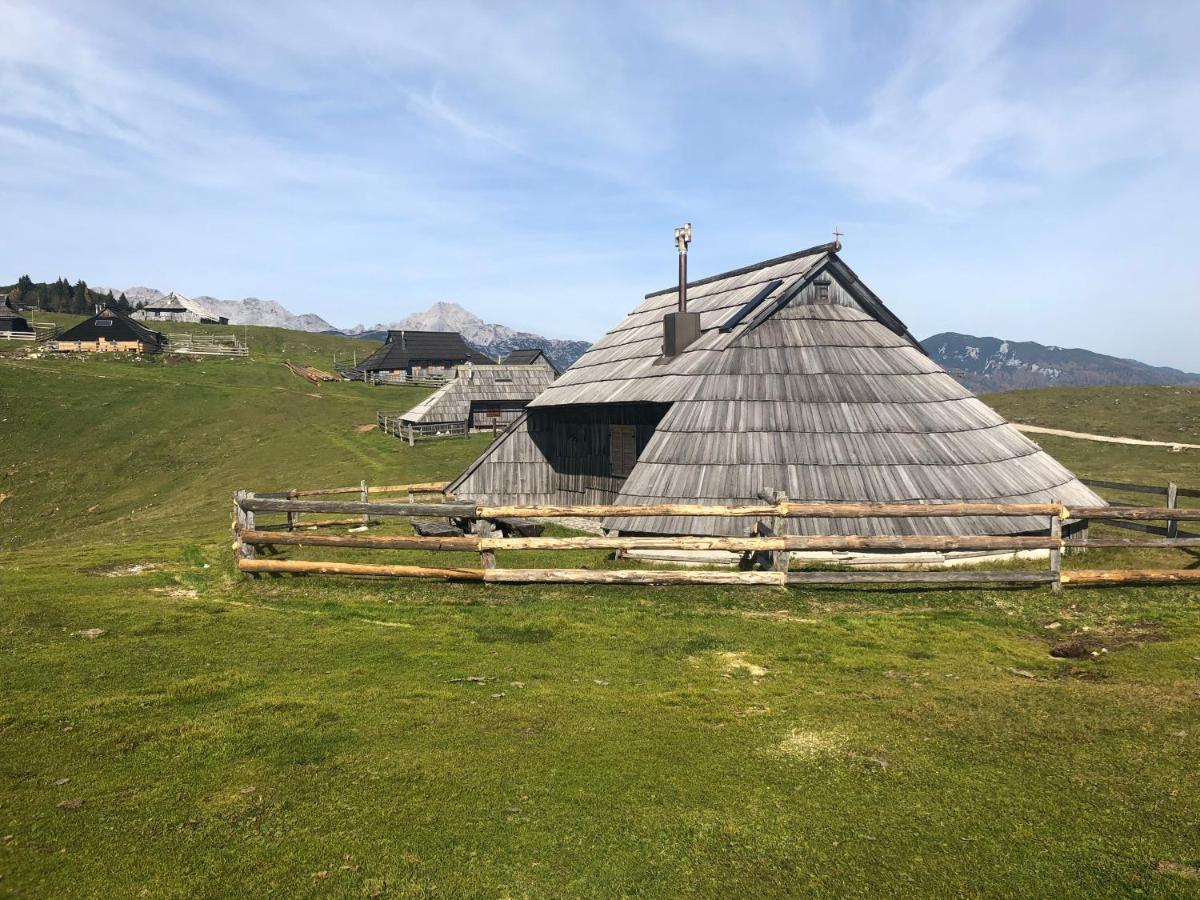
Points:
(378, 378)
(248, 536)
(1171, 491)
(390, 423)
(206, 345)
(41, 331)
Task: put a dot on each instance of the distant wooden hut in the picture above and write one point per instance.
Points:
(177, 308)
(420, 355)
(797, 379)
(480, 397)
(12, 323)
(109, 332)
(534, 356)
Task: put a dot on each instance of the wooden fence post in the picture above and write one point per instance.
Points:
(1172, 503)
(366, 498)
(293, 518)
(774, 560)
(243, 521)
(411, 440)
(484, 528)
(1056, 554)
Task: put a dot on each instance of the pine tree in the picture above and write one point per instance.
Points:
(79, 298)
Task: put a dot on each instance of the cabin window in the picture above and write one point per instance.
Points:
(822, 290)
(622, 448)
(103, 323)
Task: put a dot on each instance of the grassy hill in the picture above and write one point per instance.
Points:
(103, 449)
(320, 736)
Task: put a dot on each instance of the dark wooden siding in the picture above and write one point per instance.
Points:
(559, 455)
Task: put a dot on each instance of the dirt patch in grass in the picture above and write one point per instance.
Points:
(124, 570)
(735, 663)
(364, 428)
(181, 593)
(778, 615)
(1180, 869)
(1091, 643)
(809, 744)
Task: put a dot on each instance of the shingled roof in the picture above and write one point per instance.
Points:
(118, 328)
(404, 349)
(481, 384)
(802, 381)
(529, 357)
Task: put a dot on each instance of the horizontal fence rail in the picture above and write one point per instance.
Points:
(765, 545)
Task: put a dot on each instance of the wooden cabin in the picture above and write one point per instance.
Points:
(421, 354)
(787, 375)
(109, 332)
(177, 308)
(480, 398)
(12, 323)
(534, 356)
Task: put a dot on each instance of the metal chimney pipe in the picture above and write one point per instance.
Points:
(683, 237)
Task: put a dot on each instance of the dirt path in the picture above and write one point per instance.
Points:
(1105, 439)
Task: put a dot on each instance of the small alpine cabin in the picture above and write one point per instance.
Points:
(109, 332)
(480, 398)
(177, 308)
(12, 323)
(788, 375)
(534, 356)
(421, 354)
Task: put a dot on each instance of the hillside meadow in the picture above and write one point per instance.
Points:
(170, 728)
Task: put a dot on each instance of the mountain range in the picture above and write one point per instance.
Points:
(982, 364)
(985, 364)
(492, 340)
(250, 311)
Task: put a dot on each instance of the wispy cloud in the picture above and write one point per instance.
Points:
(361, 159)
(983, 106)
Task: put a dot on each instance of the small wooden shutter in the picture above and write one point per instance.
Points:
(622, 448)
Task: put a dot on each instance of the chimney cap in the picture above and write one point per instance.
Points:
(683, 237)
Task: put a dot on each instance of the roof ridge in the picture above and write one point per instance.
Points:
(831, 247)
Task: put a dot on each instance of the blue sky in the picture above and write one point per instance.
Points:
(1009, 168)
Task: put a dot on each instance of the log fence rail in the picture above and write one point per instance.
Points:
(771, 548)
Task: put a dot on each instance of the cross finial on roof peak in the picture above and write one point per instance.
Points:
(837, 237)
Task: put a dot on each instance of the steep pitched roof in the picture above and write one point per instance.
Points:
(119, 328)
(819, 391)
(403, 349)
(528, 357)
(452, 401)
(11, 318)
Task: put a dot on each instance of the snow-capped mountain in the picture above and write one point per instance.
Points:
(250, 311)
(493, 340)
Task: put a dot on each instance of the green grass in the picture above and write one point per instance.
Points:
(226, 737)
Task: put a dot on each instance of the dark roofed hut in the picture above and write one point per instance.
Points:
(109, 331)
(800, 380)
(11, 320)
(421, 354)
(534, 356)
(480, 397)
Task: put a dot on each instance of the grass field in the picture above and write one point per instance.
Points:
(328, 737)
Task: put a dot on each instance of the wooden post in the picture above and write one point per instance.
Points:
(1056, 554)
(1172, 503)
(366, 498)
(484, 528)
(411, 439)
(293, 518)
(243, 522)
(775, 560)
